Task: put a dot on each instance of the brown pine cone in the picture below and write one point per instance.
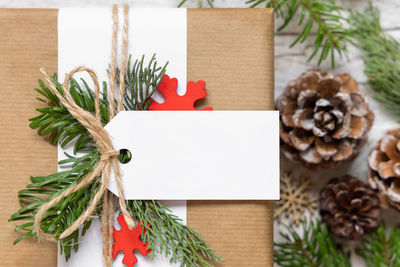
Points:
(349, 208)
(384, 167)
(324, 119)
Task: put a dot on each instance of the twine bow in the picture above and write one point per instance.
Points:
(109, 157)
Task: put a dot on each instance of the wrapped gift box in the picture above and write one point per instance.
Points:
(231, 49)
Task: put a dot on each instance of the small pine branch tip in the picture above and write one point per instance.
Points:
(200, 3)
(381, 248)
(180, 242)
(381, 55)
(314, 248)
(331, 35)
(141, 82)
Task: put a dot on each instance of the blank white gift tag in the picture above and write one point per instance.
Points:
(198, 154)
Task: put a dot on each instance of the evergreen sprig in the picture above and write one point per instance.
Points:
(199, 3)
(163, 228)
(166, 235)
(331, 34)
(381, 55)
(58, 218)
(314, 248)
(141, 83)
(56, 122)
(381, 248)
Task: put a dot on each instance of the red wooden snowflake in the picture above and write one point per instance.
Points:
(127, 241)
(195, 91)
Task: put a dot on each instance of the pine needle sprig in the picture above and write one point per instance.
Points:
(381, 55)
(331, 34)
(314, 248)
(141, 83)
(199, 3)
(381, 248)
(55, 121)
(166, 235)
(180, 242)
(58, 218)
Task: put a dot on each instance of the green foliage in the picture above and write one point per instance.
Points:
(314, 248)
(61, 127)
(141, 83)
(56, 122)
(331, 34)
(199, 3)
(381, 55)
(166, 234)
(57, 219)
(381, 249)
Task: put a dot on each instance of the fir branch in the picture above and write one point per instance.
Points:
(166, 235)
(61, 127)
(55, 121)
(381, 55)
(57, 219)
(381, 248)
(141, 83)
(331, 35)
(179, 242)
(199, 3)
(315, 248)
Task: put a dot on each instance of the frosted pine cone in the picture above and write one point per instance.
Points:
(384, 164)
(324, 119)
(349, 208)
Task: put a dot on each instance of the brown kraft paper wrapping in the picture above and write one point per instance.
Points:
(231, 49)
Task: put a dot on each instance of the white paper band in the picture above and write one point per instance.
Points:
(84, 38)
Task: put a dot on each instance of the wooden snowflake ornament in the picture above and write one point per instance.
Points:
(194, 92)
(295, 199)
(127, 241)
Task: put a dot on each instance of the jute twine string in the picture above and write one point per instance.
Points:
(109, 157)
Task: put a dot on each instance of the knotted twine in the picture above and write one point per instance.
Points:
(109, 156)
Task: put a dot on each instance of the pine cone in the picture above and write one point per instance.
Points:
(349, 208)
(324, 119)
(384, 164)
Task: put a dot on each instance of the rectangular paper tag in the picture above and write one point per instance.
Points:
(176, 155)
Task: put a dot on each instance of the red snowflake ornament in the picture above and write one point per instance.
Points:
(195, 91)
(127, 241)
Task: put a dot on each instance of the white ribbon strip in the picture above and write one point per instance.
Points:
(84, 38)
